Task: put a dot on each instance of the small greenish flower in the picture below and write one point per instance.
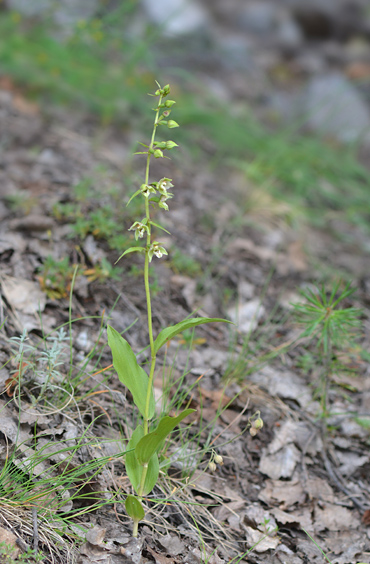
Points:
(164, 185)
(212, 466)
(157, 250)
(162, 200)
(140, 229)
(169, 103)
(158, 154)
(172, 123)
(146, 190)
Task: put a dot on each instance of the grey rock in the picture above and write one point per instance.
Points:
(323, 19)
(258, 17)
(176, 17)
(236, 51)
(289, 36)
(311, 62)
(247, 315)
(332, 106)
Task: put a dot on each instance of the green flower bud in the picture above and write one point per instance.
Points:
(169, 103)
(170, 145)
(218, 459)
(166, 90)
(171, 124)
(258, 424)
(160, 144)
(158, 154)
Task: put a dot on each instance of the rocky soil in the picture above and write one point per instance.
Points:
(287, 59)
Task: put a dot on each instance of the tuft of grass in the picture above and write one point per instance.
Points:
(55, 277)
(10, 555)
(325, 182)
(90, 68)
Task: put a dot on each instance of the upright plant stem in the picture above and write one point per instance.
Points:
(146, 275)
(326, 379)
(153, 355)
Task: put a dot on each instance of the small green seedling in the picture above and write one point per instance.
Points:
(141, 461)
(331, 326)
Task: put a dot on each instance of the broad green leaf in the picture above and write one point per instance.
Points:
(152, 474)
(129, 372)
(134, 508)
(131, 250)
(171, 332)
(147, 445)
(134, 469)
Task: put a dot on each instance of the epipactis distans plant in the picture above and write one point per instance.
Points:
(141, 460)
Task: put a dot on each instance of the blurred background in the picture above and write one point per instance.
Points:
(277, 89)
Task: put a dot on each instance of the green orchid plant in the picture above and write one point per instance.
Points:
(142, 464)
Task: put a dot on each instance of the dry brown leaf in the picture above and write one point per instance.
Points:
(160, 558)
(172, 544)
(285, 493)
(335, 518)
(280, 464)
(317, 488)
(260, 541)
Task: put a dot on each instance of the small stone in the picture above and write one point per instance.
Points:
(82, 341)
(335, 107)
(10, 540)
(176, 17)
(258, 17)
(289, 37)
(246, 315)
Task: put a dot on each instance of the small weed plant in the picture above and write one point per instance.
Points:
(10, 555)
(332, 327)
(42, 368)
(147, 440)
